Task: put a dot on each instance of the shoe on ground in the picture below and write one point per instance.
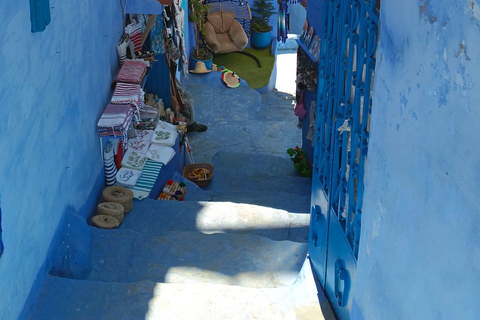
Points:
(196, 127)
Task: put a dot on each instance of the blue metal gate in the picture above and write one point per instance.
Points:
(346, 70)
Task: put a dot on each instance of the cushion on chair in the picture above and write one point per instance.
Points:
(224, 33)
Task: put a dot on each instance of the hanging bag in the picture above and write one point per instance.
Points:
(300, 110)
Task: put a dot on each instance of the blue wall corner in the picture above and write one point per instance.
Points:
(71, 250)
(39, 14)
(1, 241)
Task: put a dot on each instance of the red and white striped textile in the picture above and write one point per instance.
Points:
(128, 93)
(132, 71)
(134, 30)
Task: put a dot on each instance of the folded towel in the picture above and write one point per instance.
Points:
(134, 160)
(142, 141)
(160, 153)
(128, 93)
(164, 134)
(128, 177)
(114, 115)
(132, 71)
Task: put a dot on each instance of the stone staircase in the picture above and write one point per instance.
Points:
(197, 259)
(234, 250)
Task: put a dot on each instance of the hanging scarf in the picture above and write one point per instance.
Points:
(282, 21)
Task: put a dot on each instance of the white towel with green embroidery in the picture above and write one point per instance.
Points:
(164, 134)
(160, 153)
(134, 160)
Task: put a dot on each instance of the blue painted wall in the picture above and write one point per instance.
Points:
(419, 256)
(54, 86)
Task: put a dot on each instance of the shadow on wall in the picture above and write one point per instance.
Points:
(1, 241)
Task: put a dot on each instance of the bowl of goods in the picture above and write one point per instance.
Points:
(199, 173)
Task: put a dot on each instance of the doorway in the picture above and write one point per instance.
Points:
(346, 70)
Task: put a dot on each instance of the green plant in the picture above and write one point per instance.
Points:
(263, 10)
(198, 10)
(300, 162)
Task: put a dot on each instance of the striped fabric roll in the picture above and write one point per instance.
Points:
(109, 164)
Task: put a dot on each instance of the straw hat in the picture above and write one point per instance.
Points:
(230, 79)
(200, 68)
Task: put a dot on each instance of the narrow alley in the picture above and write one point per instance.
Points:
(234, 250)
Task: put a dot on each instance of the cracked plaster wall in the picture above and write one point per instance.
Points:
(419, 256)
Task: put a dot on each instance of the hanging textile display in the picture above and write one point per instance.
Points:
(283, 18)
(175, 21)
(157, 38)
(282, 32)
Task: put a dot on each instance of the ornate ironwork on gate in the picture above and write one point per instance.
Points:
(346, 70)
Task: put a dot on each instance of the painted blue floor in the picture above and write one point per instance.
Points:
(233, 250)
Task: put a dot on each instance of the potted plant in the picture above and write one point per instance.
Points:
(198, 10)
(263, 10)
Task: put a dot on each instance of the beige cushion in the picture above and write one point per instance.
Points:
(224, 33)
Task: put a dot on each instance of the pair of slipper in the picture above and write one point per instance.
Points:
(196, 127)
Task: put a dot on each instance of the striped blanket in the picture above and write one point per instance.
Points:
(115, 120)
(132, 71)
(128, 93)
(145, 184)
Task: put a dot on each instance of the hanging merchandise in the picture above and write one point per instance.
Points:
(282, 32)
(300, 110)
(307, 72)
(175, 22)
(134, 30)
(312, 117)
(157, 35)
(125, 49)
(283, 19)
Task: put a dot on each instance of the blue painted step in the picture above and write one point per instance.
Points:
(151, 216)
(191, 257)
(62, 298)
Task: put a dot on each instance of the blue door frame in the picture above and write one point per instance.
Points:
(346, 70)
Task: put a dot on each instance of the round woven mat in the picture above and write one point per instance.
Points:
(117, 194)
(113, 209)
(105, 222)
(128, 206)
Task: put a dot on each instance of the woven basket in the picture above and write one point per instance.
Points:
(188, 169)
